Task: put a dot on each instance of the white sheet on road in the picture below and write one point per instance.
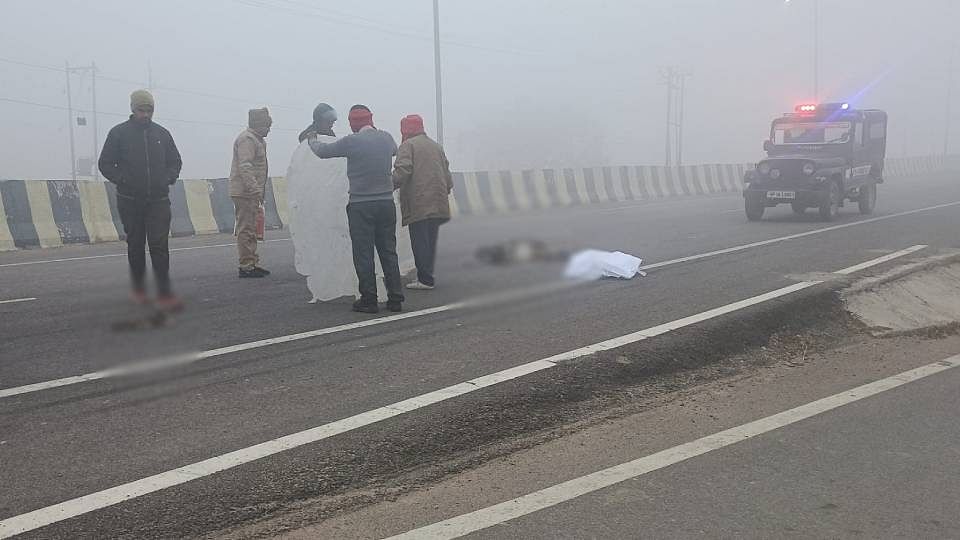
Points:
(593, 264)
(317, 199)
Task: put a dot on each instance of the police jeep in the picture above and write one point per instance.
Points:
(819, 156)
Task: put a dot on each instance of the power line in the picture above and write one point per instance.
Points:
(325, 16)
(126, 115)
(160, 87)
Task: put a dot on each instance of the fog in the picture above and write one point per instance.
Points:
(528, 83)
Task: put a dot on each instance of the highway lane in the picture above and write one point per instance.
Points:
(116, 431)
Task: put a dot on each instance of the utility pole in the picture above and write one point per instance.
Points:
(96, 133)
(683, 82)
(149, 77)
(436, 64)
(92, 68)
(669, 75)
(73, 151)
(675, 81)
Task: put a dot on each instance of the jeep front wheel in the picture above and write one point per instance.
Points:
(830, 207)
(754, 209)
(868, 198)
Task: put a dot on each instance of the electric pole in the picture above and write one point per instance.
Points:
(92, 68)
(675, 81)
(96, 133)
(683, 83)
(669, 75)
(436, 64)
(73, 151)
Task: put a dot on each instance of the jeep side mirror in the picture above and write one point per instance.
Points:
(767, 146)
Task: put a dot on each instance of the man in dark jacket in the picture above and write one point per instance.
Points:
(141, 158)
(371, 212)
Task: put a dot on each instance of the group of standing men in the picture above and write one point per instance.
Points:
(140, 157)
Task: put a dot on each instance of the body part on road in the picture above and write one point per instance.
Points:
(142, 160)
(248, 179)
(819, 157)
(421, 174)
(371, 212)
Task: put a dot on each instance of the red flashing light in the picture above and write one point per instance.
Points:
(806, 108)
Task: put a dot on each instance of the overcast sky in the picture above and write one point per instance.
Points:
(527, 83)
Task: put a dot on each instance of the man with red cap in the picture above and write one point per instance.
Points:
(422, 174)
(371, 212)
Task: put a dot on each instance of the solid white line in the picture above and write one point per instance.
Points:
(151, 365)
(743, 247)
(109, 497)
(160, 363)
(598, 209)
(17, 300)
(109, 255)
(571, 489)
(880, 260)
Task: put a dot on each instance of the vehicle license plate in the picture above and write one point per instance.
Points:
(781, 194)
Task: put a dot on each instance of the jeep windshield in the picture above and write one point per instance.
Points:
(817, 133)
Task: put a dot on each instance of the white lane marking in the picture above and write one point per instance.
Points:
(880, 260)
(151, 365)
(110, 255)
(585, 208)
(17, 300)
(102, 499)
(751, 245)
(161, 363)
(155, 364)
(571, 489)
(735, 211)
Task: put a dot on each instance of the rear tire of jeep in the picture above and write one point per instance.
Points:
(868, 199)
(830, 208)
(754, 210)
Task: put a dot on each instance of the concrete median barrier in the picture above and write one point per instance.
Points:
(50, 213)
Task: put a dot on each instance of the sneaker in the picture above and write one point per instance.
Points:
(395, 307)
(365, 307)
(253, 273)
(263, 270)
(417, 286)
(170, 303)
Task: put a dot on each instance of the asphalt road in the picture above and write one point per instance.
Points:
(61, 443)
(879, 468)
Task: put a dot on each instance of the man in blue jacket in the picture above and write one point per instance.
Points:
(371, 212)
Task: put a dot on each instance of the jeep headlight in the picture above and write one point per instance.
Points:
(809, 169)
(775, 173)
(764, 168)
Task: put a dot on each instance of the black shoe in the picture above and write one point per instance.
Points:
(395, 307)
(253, 273)
(264, 270)
(361, 306)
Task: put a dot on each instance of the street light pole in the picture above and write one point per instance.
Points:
(816, 48)
(816, 51)
(436, 64)
(949, 111)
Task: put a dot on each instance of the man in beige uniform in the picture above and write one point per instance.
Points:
(248, 179)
